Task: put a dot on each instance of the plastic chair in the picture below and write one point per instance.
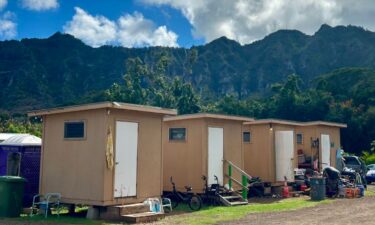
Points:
(46, 202)
(167, 203)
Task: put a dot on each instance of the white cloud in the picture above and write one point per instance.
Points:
(3, 3)
(40, 5)
(8, 26)
(128, 31)
(134, 31)
(93, 30)
(249, 20)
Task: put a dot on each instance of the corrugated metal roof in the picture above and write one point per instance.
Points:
(22, 140)
(4, 136)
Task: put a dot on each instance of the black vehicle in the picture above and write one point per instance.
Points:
(193, 200)
(356, 164)
(211, 193)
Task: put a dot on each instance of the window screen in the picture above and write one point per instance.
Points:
(177, 134)
(246, 136)
(300, 139)
(74, 129)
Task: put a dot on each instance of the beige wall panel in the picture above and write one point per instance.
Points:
(74, 168)
(187, 161)
(258, 154)
(182, 160)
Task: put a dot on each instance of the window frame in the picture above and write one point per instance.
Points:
(75, 138)
(243, 137)
(302, 137)
(177, 140)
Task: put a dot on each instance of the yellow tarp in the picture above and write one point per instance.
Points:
(109, 150)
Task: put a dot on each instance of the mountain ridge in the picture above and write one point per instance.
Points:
(38, 73)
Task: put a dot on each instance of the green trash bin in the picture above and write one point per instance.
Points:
(318, 188)
(11, 195)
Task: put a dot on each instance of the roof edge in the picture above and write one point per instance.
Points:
(297, 123)
(101, 105)
(207, 115)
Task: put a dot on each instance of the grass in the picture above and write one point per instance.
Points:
(212, 215)
(369, 193)
(207, 215)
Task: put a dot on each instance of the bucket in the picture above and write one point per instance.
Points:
(285, 192)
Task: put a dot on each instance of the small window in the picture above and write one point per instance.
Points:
(74, 130)
(177, 134)
(300, 139)
(332, 144)
(247, 137)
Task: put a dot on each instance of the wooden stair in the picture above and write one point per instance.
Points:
(232, 199)
(132, 213)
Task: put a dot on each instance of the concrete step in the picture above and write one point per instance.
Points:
(145, 217)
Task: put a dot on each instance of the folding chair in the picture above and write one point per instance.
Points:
(167, 203)
(46, 202)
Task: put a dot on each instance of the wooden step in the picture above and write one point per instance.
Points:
(145, 217)
(133, 208)
(232, 197)
(116, 212)
(238, 203)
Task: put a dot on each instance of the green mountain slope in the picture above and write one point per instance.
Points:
(36, 73)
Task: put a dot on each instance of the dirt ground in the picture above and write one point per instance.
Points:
(341, 212)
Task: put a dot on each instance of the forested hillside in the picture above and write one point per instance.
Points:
(37, 73)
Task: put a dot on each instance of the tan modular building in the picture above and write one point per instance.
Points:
(196, 145)
(276, 147)
(102, 154)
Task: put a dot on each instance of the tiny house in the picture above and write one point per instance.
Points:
(102, 154)
(198, 145)
(20, 156)
(276, 147)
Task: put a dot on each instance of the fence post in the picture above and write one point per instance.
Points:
(244, 187)
(230, 176)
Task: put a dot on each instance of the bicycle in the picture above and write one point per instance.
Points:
(211, 193)
(192, 199)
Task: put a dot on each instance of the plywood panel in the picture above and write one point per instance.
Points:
(187, 161)
(183, 160)
(74, 168)
(258, 160)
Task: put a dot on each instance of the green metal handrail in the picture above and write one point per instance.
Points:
(244, 175)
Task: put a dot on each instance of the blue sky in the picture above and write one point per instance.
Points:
(42, 24)
(138, 23)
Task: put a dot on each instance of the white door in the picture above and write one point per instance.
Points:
(326, 150)
(126, 159)
(215, 155)
(284, 147)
